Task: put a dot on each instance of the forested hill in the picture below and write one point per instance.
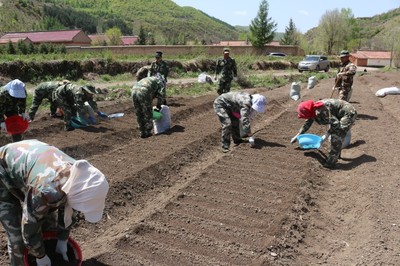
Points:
(167, 22)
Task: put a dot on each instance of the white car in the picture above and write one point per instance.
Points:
(314, 63)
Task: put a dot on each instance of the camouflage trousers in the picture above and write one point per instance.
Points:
(230, 126)
(345, 93)
(144, 111)
(337, 138)
(10, 217)
(224, 86)
(69, 110)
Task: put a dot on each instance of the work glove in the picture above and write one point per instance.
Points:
(92, 120)
(102, 115)
(25, 117)
(3, 126)
(158, 108)
(324, 137)
(45, 261)
(293, 140)
(61, 248)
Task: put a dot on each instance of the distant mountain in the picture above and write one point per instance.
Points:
(163, 19)
(167, 22)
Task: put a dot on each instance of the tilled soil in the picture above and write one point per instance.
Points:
(176, 199)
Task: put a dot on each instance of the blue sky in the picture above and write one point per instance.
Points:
(305, 13)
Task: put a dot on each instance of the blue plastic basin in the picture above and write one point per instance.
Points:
(309, 141)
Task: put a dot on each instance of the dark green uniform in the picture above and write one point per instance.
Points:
(10, 106)
(227, 68)
(159, 67)
(143, 93)
(71, 98)
(340, 116)
(229, 106)
(45, 90)
(31, 200)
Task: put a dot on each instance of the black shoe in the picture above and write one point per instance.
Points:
(329, 165)
(144, 135)
(237, 142)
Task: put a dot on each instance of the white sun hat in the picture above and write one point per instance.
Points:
(16, 88)
(86, 191)
(259, 102)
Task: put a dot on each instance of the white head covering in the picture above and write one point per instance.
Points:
(16, 88)
(259, 102)
(86, 191)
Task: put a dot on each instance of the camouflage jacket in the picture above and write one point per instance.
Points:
(348, 70)
(45, 90)
(150, 88)
(238, 102)
(227, 68)
(160, 67)
(75, 94)
(34, 172)
(10, 105)
(334, 115)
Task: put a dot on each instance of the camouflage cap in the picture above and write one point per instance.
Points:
(89, 89)
(158, 54)
(344, 53)
(227, 50)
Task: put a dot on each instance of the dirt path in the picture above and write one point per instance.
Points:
(175, 199)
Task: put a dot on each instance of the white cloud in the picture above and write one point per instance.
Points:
(303, 12)
(240, 13)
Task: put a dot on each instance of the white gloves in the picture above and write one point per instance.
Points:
(339, 75)
(293, 140)
(61, 248)
(45, 261)
(324, 137)
(25, 117)
(3, 127)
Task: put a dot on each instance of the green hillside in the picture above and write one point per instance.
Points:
(166, 21)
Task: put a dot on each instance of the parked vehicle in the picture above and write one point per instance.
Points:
(314, 63)
(277, 54)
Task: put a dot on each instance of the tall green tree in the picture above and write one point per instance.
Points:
(291, 35)
(334, 30)
(141, 37)
(262, 28)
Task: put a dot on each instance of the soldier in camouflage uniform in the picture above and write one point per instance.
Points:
(45, 90)
(233, 108)
(71, 98)
(39, 192)
(13, 102)
(159, 66)
(227, 67)
(338, 114)
(143, 93)
(344, 78)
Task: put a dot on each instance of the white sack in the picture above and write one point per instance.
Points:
(387, 91)
(164, 123)
(295, 91)
(311, 82)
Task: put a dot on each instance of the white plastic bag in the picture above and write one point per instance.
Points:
(164, 123)
(295, 91)
(387, 91)
(311, 82)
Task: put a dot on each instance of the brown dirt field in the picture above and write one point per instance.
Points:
(175, 199)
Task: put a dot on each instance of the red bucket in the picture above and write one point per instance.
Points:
(74, 252)
(16, 124)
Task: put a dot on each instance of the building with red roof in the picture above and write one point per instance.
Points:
(368, 58)
(65, 37)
